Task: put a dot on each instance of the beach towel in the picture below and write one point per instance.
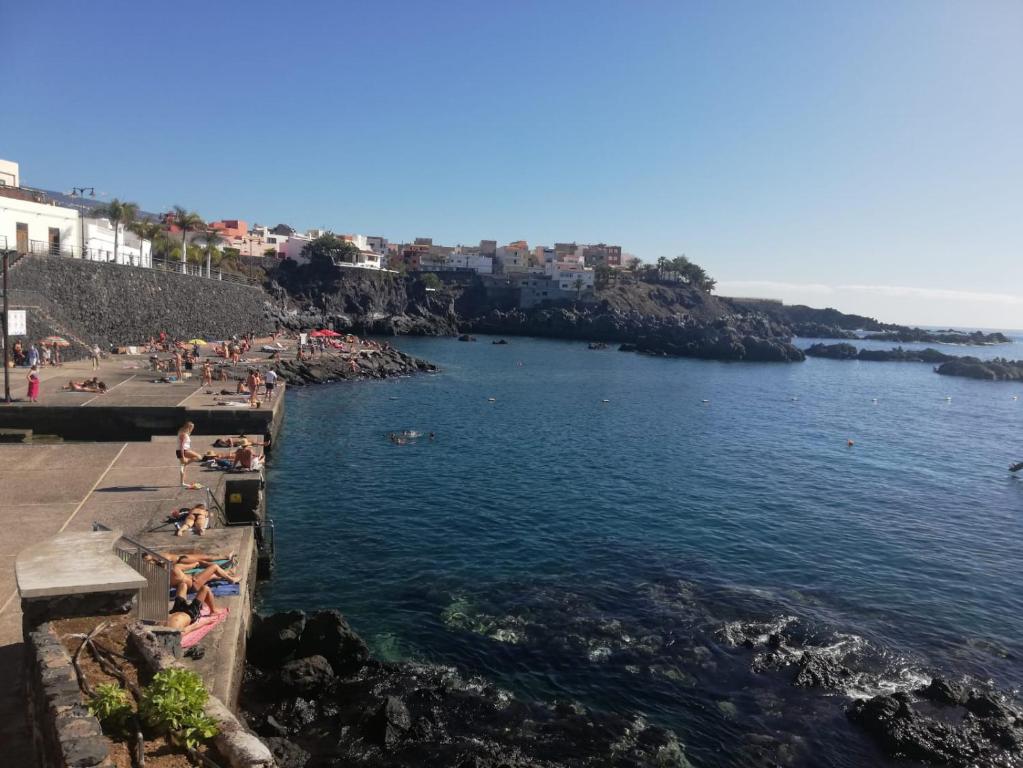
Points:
(193, 637)
(219, 588)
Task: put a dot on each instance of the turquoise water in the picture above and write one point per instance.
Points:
(572, 548)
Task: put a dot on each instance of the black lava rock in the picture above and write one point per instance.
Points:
(307, 676)
(274, 639)
(328, 634)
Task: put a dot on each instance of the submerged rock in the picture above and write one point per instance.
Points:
(978, 730)
(406, 714)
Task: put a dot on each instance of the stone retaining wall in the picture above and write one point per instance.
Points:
(112, 304)
(63, 731)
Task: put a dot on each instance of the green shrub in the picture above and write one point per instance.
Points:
(111, 706)
(175, 701)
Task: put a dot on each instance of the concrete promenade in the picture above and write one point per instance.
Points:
(128, 486)
(137, 403)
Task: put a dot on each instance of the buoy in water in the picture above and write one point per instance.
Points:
(706, 402)
(492, 399)
(948, 398)
(605, 401)
(873, 399)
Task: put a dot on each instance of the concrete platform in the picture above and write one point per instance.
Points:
(74, 564)
(223, 663)
(65, 487)
(137, 404)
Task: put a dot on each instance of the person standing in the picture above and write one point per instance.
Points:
(33, 385)
(184, 451)
(33, 356)
(270, 382)
(46, 354)
(95, 356)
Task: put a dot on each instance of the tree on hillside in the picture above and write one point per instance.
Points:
(119, 213)
(602, 276)
(186, 221)
(210, 238)
(677, 270)
(327, 250)
(146, 230)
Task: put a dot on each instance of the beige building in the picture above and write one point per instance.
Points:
(9, 174)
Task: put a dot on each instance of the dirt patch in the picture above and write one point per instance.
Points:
(113, 638)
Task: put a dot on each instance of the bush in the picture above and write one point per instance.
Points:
(175, 701)
(110, 705)
(430, 280)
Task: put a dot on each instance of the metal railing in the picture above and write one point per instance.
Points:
(43, 248)
(154, 598)
(199, 270)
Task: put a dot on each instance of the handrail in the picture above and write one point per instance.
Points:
(153, 598)
(43, 248)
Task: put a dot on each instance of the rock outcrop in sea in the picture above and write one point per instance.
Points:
(379, 364)
(317, 697)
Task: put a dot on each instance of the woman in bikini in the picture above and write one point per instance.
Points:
(184, 614)
(196, 519)
(181, 564)
(184, 452)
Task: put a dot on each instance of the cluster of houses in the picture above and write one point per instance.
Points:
(35, 221)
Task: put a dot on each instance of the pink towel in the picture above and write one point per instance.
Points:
(193, 637)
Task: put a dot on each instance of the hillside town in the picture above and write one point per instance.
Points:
(77, 225)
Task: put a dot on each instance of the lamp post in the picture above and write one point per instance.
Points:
(7, 371)
(80, 192)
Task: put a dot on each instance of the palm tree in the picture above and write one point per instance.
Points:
(146, 230)
(211, 238)
(186, 221)
(119, 213)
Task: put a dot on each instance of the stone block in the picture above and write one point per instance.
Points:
(87, 752)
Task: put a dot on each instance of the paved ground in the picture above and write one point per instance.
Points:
(130, 383)
(67, 487)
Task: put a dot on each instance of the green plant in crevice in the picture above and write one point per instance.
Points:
(175, 701)
(111, 706)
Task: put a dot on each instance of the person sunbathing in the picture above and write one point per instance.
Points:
(246, 458)
(197, 519)
(94, 386)
(210, 571)
(185, 614)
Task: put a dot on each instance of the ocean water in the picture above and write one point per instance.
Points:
(610, 527)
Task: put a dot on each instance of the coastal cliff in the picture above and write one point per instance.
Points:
(675, 320)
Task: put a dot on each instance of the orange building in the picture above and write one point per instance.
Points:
(230, 228)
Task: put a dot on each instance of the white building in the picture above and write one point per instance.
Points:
(477, 262)
(28, 224)
(98, 239)
(570, 276)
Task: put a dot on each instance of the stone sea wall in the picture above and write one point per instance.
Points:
(64, 732)
(114, 305)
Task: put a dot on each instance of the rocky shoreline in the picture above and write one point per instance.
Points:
(996, 369)
(380, 364)
(739, 338)
(316, 696)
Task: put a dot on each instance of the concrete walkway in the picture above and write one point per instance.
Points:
(59, 487)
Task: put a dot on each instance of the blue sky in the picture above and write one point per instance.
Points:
(865, 155)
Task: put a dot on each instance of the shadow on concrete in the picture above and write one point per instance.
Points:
(14, 733)
(131, 488)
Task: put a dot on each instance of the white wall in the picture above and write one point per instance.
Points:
(40, 217)
(99, 244)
